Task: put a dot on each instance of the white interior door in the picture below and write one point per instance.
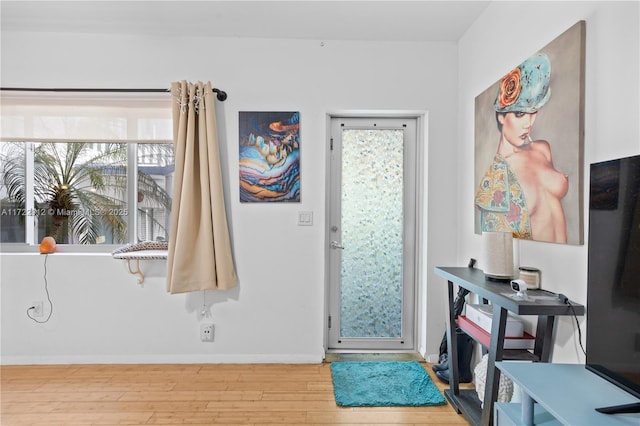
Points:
(372, 224)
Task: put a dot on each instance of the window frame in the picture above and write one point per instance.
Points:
(135, 100)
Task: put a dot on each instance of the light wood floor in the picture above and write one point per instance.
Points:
(205, 394)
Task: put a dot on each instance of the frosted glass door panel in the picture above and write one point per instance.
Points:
(372, 233)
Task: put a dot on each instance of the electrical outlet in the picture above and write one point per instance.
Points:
(206, 332)
(38, 309)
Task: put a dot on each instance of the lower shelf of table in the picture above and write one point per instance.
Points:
(466, 403)
(510, 414)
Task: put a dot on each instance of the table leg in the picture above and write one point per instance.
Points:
(544, 333)
(496, 349)
(452, 344)
(527, 409)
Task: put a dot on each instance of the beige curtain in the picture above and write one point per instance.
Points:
(199, 245)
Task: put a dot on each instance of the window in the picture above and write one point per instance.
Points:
(87, 169)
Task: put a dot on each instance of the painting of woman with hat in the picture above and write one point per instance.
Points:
(521, 191)
(528, 157)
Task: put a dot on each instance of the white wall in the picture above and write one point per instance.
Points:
(276, 315)
(505, 35)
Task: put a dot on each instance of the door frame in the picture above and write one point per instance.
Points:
(419, 308)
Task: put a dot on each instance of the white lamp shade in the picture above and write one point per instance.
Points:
(498, 254)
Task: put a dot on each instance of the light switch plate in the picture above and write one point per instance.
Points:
(305, 218)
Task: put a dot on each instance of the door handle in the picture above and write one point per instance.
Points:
(336, 245)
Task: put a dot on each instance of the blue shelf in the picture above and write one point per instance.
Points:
(508, 414)
(568, 392)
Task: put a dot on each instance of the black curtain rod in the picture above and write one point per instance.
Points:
(221, 94)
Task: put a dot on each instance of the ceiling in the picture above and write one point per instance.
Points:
(317, 20)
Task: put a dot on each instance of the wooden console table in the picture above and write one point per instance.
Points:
(540, 303)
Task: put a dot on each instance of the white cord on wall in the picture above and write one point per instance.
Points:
(46, 289)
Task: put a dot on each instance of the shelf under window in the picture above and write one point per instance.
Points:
(146, 250)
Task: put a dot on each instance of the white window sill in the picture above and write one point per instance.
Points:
(62, 249)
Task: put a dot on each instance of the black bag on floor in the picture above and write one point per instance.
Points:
(465, 353)
(458, 306)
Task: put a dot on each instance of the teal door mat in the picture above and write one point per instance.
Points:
(383, 384)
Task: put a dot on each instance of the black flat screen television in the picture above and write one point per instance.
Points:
(613, 292)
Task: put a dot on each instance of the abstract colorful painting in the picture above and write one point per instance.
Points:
(528, 179)
(269, 156)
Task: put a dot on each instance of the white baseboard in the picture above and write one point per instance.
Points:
(166, 359)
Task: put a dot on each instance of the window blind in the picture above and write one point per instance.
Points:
(85, 117)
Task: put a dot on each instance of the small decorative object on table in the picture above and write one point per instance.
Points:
(498, 255)
(531, 276)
